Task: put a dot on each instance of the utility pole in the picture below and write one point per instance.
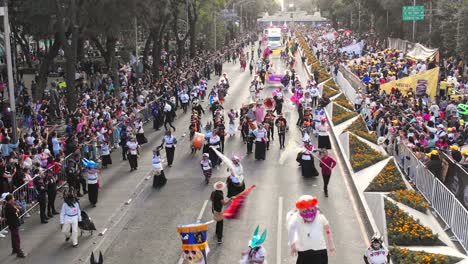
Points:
(136, 38)
(11, 89)
(214, 26)
(241, 22)
(414, 22)
(359, 20)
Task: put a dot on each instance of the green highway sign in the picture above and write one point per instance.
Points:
(413, 13)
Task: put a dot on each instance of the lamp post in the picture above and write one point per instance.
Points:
(11, 89)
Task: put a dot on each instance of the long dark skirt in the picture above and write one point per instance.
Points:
(206, 148)
(170, 155)
(312, 256)
(207, 173)
(234, 188)
(308, 168)
(93, 192)
(106, 160)
(141, 139)
(133, 161)
(324, 142)
(159, 180)
(260, 150)
(213, 157)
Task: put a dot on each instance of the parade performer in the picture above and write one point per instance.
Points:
(377, 253)
(93, 183)
(306, 160)
(206, 167)
(256, 252)
(235, 181)
(282, 124)
(159, 178)
(133, 149)
(194, 242)
(215, 143)
(105, 154)
(70, 215)
(218, 201)
(309, 232)
(260, 142)
(169, 142)
(232, 125)
(140, 132)
(323, 137)
(208, 132)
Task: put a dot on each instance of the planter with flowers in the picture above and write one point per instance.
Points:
(410, 198)
(329, 92)
(343, 101)
(361, 154)
(341, 114)
(359, 128)
(404, 230)
(389, 179)
(406, 256)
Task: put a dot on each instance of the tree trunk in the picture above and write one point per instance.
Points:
(146, 51)
(157, 43)
(112, 63)
(44, 68)
(70, 69)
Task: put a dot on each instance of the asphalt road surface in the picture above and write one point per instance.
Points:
(144, 229)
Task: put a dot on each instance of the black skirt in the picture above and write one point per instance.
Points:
(324, 142)
(312, 256)
(93, 191)
(308, 168)
(141, 139)
(234, 188)
(159, 180)
(260, 150)
(213, 157)
(106, 160)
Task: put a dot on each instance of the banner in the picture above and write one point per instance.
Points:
(329, 36)
(355, 48)
(425, 82)
(420, 52)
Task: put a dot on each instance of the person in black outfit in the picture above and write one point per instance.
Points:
(12, 212)
(218, 201)
(79, 175)
(40, 185)
(281, 123)
(123, 142)
(51, 193)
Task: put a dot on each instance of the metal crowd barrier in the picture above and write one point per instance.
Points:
(443, 201)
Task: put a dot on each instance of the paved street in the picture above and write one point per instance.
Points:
(145, 230)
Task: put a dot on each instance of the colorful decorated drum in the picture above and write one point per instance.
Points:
(198, 140)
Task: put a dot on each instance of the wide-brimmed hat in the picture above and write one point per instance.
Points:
(219, 186)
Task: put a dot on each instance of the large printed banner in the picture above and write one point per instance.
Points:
(422, 53)
(356, 48)
(422, 83)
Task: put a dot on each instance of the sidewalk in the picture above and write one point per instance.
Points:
(44, 242)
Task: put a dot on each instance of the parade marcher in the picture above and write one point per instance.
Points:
(206, 167)
(11, 212)
(376, 253)
(235, 181)
(197, 107)
(140, 132)
(70, 215)
(133, 149)
(256, 252)
(323, 138)
(327, 164)
(218, 201)
(260, 142)
(184, 100)
(105, 154)
(169, 142)
(159, 178)
(309, 232)
(232, 126)
(270, 119)
(93, 182)
(281, 123)
(306, 160)
(215, 142)
(168, 115)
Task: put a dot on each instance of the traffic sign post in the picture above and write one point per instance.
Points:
(410, 13)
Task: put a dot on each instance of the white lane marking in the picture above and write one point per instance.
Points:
(279, 230)
(200, 216)
(103, 232)
(128, 201)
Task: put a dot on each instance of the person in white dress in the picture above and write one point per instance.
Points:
(70, 215)
(376, 253)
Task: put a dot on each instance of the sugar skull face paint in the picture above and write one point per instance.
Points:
(308, 214)
(192, 256)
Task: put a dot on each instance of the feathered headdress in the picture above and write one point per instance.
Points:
(89, 164)
(256, 239)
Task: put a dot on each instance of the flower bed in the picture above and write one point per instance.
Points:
(359, 128)
(362, 155)
(410, 198)
(323, 75)
(404, 230)
(343, 101)
(340, 114)
(389, 179)
(328, 92)
(331, 83)
(406, 256)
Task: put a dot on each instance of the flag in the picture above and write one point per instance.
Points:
(234, 208)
